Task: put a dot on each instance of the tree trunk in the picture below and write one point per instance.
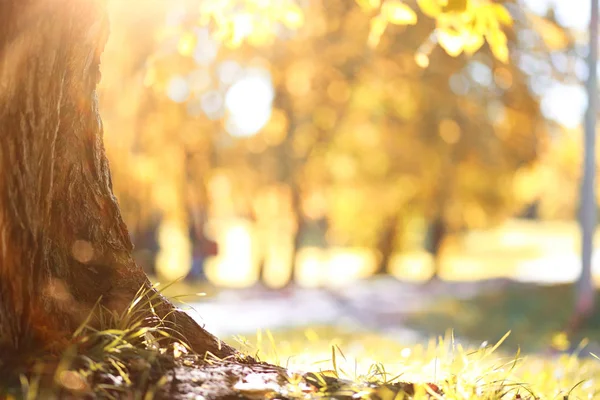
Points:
(63, 243)
(585, 296)
(436, 233)
(386, 245)
(298, 233)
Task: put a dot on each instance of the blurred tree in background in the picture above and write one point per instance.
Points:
(275, 127)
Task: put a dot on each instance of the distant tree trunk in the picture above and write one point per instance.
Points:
(262, 272)
(261, 275)
(531, 211)
(386, 245)
(584, 302)
(63, 243)
(298, 233)
(436, 234)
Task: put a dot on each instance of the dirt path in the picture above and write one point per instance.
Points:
(378, 304)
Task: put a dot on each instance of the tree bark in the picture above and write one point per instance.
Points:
(63, 243)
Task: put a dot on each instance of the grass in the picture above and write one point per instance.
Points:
(485, 372)
(103, 359)
(535, 314)
(125, 358)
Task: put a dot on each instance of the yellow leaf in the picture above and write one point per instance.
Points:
(369, 5)
(385, 393)
(501, 52)
(502, 14)
(378, 25)
(456, 6)
(483, 20)
(431, 8)
(498, 44)
(472, 42)
(398, 13)
(451, 42)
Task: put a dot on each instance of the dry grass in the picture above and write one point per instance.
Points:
(459, 372)
(128, 358)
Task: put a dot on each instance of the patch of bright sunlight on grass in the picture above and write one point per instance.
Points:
(485, 372)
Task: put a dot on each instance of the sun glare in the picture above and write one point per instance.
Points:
(249, 102)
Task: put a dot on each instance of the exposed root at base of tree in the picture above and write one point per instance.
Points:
(138, 355)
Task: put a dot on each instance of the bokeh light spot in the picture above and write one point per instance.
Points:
(178, 89)
(82, 251)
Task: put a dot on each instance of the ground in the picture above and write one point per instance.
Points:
(410, 313)
(317, 354)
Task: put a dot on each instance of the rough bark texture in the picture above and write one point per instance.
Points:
(63, 243)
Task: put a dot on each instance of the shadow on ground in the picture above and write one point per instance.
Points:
(535, 315)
